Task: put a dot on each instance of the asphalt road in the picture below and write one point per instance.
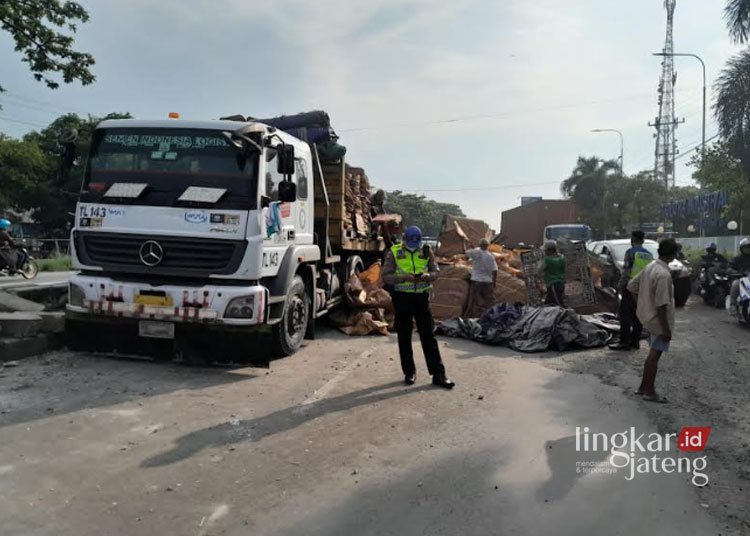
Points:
(329, 442)
(41, 280)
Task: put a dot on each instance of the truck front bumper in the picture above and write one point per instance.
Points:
(218, 305)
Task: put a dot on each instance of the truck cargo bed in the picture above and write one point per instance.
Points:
(331, 182)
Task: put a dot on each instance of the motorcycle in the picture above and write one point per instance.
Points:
(27, 266)
(740, 308)
(714, 284)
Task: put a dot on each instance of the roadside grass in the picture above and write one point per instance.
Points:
(693, 255)
(55, 264)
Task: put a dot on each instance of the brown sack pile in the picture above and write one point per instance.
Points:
(459, 234)
(450, 291)
(370, 308)
(357, 201)
(510, 289)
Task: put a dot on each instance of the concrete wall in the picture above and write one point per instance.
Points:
(727, 244)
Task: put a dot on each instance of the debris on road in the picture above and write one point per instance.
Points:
(528, 329)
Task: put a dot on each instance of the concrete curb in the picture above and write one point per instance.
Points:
(14, 349)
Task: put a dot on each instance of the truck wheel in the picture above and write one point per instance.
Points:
(290, 331)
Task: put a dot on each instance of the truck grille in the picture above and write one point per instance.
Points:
(178, 255)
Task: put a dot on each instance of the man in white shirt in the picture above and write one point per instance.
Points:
(654, 290)
(483, 278)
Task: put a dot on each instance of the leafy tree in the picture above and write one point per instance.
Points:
(732, 107)
(36, 26)
(30, 169)
(590, 188)
(721, 170)
(21, 164)
(646, 196)
(737, 15)
(418, 210)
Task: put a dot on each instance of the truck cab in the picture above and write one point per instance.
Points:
(573, 232)
(189, 234)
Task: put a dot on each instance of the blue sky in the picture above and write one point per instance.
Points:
(529, 79)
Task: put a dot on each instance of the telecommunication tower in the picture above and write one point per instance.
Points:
(666, 123)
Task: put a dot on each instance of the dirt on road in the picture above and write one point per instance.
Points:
(706, 378)
(330, 442)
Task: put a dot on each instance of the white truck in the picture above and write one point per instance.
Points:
(194, 237)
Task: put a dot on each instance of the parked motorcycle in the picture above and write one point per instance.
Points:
(27, 266)
(740, 308)
(714, 284)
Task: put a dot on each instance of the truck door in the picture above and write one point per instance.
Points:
(286, 211)
(305, 208)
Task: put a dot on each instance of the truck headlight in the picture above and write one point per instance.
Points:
(76, 295)
(242, 307)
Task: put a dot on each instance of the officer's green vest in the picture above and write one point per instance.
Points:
(410, 263)
(641, 259)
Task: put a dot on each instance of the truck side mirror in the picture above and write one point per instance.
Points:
(287, 192)
(285, 160)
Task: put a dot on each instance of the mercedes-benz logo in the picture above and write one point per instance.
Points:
(151, 253)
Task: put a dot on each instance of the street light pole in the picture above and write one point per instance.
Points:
(622, 144)
(703, 65)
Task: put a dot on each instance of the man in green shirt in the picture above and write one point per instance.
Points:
(552, 272)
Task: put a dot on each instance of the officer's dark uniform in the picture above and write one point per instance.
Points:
(411, 299)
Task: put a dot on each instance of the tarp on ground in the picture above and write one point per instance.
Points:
(528, 329)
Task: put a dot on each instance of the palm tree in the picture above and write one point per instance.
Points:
(737, 15)
(588, 186)
(732, 108)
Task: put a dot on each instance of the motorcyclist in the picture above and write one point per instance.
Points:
(712, 256)
(8, 255)
(741, 264)
(711, 261)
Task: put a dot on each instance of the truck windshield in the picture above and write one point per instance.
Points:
(169, 161)
(573, 232)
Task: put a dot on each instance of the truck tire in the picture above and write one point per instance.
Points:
(289, 332)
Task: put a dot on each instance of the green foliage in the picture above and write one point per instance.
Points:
(732, 108)
(693, 255)
(611, 203)
(36, 27)
(21, 165)
(721, 170)
(418, 210)
(29, 176)
(608, 202)
(737, 15)
(55, 264)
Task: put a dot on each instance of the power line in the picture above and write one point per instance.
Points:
(686, 152)
(46, 104)
(21, 122)
(490, 116)
(479, 189)
(11, 104)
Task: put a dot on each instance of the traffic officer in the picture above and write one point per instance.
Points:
(636, 259)
(410, 269)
